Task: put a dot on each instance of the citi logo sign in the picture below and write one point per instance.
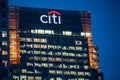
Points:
(51, 17)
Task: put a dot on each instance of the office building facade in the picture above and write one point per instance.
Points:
(4, 41)
(46, 44)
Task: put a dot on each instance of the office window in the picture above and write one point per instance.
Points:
(87, 73)
(86, 67)
(78, 48)
(52, 32)
(23, 77)
(68, 33)
(34, 31)
(4, 62)
(38, 78)
(13, 55)
(4, 43)
(81, 73)
(24, 70)
(88, 34)
(85, 55)
(4, 34)
(47, 31)
(59, 78)
(82, 33)
(4, 52)
(30, 78)
(29, 39)
(78, 42)
(40, 31)
(43, 40)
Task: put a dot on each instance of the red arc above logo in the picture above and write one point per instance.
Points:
(54, 12)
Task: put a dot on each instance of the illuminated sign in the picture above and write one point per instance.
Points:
(51, 17)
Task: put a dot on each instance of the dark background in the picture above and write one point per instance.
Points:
(30, 17)
(105, 19)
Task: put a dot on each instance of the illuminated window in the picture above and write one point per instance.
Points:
(68, 33)
(79, 48)
(29, 64)
(35, 31)
(85, 55)
(50, 65)
(32, 31)
(37, 64)
(65, 54)
(88, 35)
(86, 67)
(43, 46)
(64, 48)
(87, 73)
(44, 64)
(82, 33)
(13, 47)
(52, 79)
(23, 77)
(4, 52)
(81, 79)
(52, 71)
(4, 62)
(79, 55)
(59, 78)
(29, 39)
(38, 78)
(13, 55)
(43, 40)
(4, 43)
(4, 34)
(30, 78)
(36, 52)
(71, 54)
(24, 70)
(64, 33)
(43, 53)
(40, 31)
(81, 73)
(50, 46)
(13, 43)
(59, 72)
(47, 31)
(52, 32)
(73, 73)
(72, 48)
(23, 39)
(78, 42)
(57, 47)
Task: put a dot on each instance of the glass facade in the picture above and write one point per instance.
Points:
(46, 44)
(45, 50)
(4, 41)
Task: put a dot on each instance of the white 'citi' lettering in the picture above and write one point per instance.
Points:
(50, 19)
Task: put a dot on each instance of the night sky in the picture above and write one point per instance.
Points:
(105, 15)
